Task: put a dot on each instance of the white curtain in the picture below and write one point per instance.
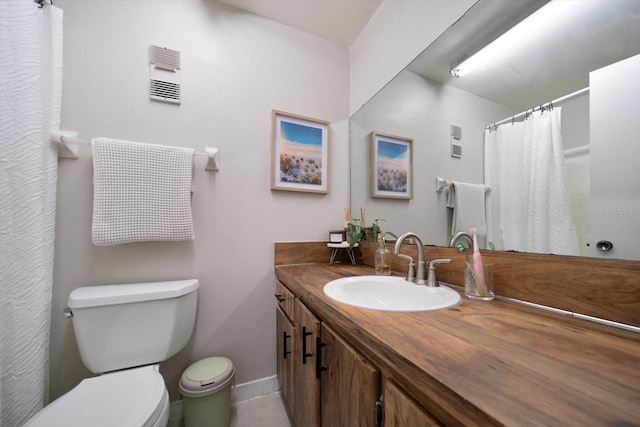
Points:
(30, 97)
(528, 208)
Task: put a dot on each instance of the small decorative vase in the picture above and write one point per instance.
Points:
(382, 260)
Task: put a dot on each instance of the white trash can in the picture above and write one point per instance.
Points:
(206, 390)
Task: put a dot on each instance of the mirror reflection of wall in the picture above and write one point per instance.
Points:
(615, 150)
(575, 138)
(416, 105)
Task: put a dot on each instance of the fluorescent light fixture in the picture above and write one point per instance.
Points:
(546, 18)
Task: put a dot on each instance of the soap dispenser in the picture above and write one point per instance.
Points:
(382, 259)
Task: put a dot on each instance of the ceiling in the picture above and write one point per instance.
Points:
(337, 20)
(551, 63)
(554, 62)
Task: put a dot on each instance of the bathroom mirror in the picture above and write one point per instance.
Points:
(424, 101)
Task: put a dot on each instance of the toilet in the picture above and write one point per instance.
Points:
(123, 333)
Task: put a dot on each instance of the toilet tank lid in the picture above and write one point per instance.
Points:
(95, 296)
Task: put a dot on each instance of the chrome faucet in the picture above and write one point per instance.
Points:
(419, 275)
(431, 277)
(461, 235)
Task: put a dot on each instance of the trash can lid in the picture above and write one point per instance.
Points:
(206, 376)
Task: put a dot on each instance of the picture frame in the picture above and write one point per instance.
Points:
(391, 166)
(299, 153)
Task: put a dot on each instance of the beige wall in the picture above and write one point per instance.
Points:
(396, 34)
(236, 68)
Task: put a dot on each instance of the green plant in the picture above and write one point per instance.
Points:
(355, 233)
(380, 236)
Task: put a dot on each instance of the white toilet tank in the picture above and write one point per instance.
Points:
(123, 326)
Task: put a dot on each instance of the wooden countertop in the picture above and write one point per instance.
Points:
(489, 363)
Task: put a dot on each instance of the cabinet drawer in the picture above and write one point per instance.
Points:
(285, 300)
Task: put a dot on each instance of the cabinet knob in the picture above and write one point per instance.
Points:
(284, 345)
(319, 367)
(279, 297)
(380, 412)
(305, 334)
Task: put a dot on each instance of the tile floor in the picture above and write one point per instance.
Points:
(264, 411)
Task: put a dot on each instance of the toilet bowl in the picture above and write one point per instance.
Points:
(123, 332)
(135, 397)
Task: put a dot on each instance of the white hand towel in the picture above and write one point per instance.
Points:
(467, 201)
(142, 192)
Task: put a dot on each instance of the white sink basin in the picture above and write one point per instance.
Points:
(390, 293)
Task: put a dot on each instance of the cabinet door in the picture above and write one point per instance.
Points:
(307, 386)
(285, 358)
(285, 300)
(401, 411)
(350, 385)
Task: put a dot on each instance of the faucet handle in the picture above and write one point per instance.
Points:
(432, 264)
(431, 276)
(411, 272)
(407, 257)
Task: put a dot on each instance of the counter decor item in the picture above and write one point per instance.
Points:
(337, 236)
(476, 286)
(355, 233)
(342, 248)
(477, 259)
(382, 262)
(382, 255)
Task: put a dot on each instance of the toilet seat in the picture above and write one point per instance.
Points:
(132, 398)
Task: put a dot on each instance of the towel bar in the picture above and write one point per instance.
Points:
(67, 143)
(213, 160)
(440, 184)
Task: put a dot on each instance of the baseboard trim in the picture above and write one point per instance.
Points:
(257, 388)
(175, 410)
(240, 393)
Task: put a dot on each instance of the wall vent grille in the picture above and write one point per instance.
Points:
(456, 150)
(164, 75)
(456, 136)
(166, 59)
(164, 91)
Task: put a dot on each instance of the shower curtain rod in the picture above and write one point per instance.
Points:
(543, 107)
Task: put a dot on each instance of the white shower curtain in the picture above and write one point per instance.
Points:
(528, 208)
(30, 96)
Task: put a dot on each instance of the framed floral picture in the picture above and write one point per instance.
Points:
(391, 166)
(299, 153)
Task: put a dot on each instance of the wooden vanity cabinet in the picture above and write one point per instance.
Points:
(286, 341)
(350, 385)
(402, 411)
(286, 300)
(306, 383)
(286, 345)
(323, 380)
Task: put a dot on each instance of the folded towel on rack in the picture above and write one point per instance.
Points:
(468, 203)
(142, 192)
